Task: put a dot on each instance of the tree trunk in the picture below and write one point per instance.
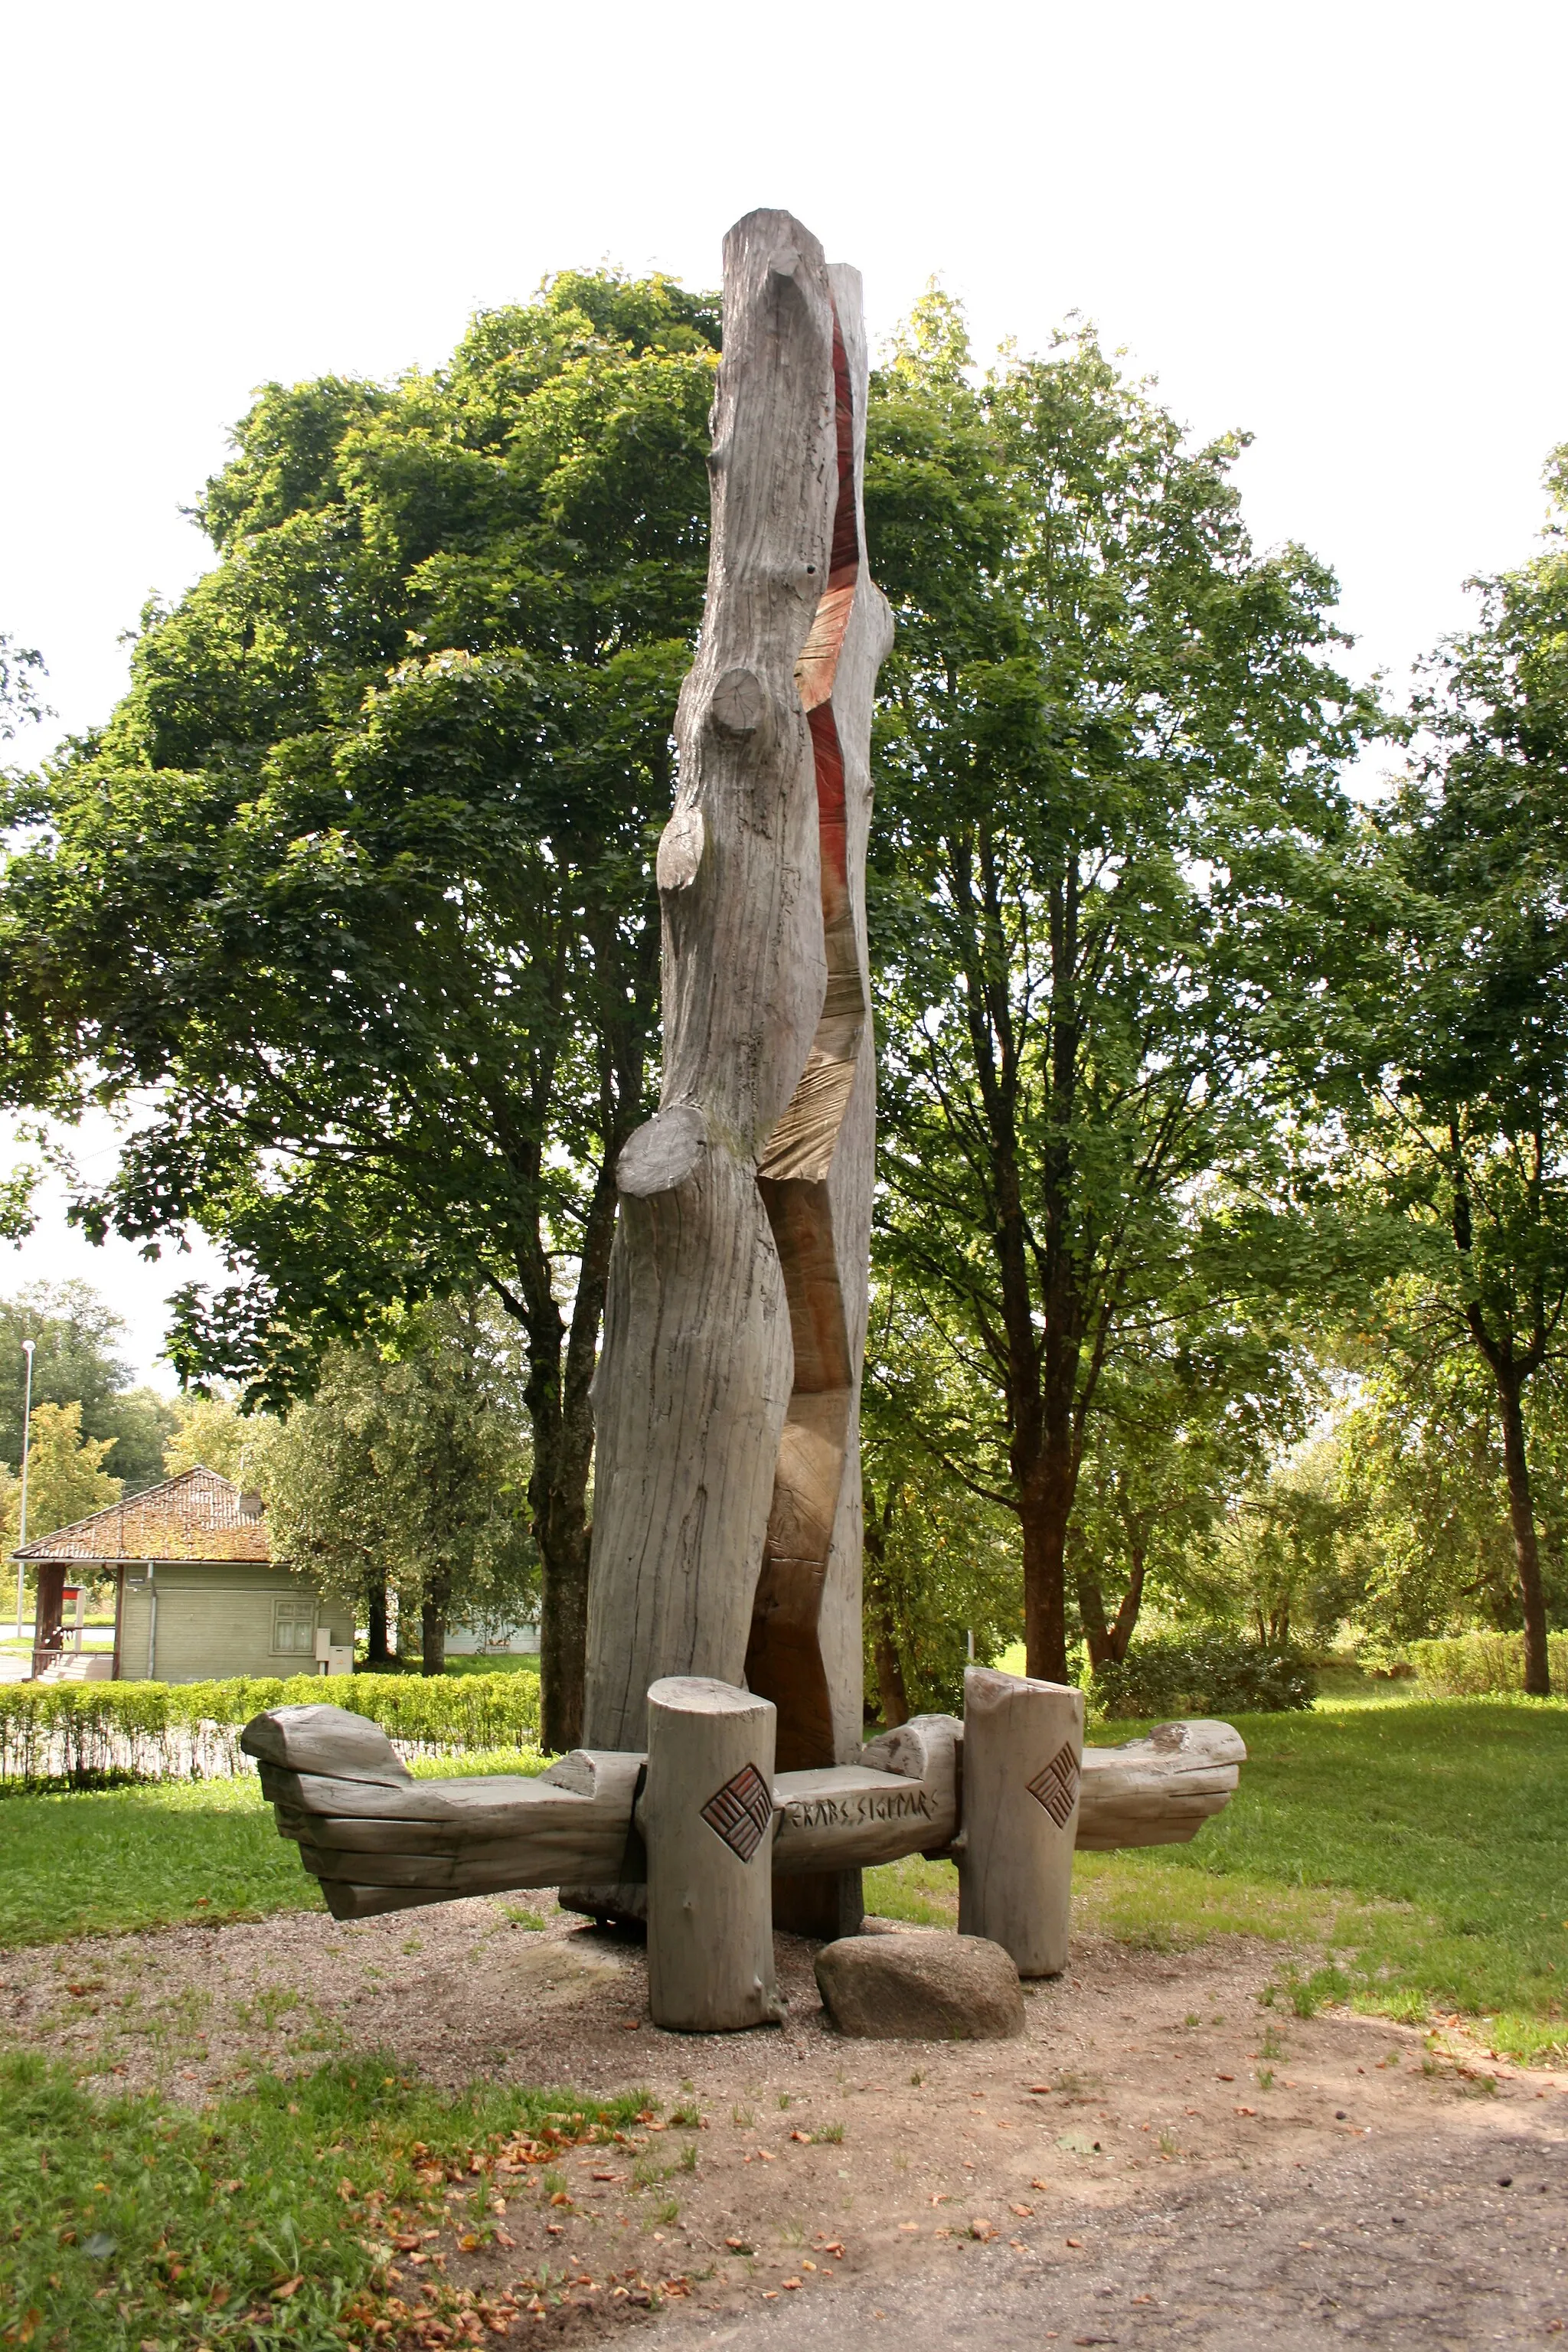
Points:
(558, 1497)
(1044, 1509)
(1510, 1372)
(1526, 1550)
(376, 1653)
(556, 1393)
(892, 1697)
(1109, 1643)
(727, 1491)
(433, 1627)
(1091, 1615)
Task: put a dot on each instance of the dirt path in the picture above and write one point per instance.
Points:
(1159, 2134)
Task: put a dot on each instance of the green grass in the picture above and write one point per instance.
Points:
(1418, 1845)
(504, 1663)
(106, 1861)
(264, 2220)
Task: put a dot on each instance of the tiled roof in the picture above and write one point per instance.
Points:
(197, 1515)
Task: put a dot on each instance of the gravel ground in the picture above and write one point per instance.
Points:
(1164, 2159)
(1461, 2241)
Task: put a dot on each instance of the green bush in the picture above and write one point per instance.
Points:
(79, 1731)
(1478, 1665)
(1203, 1674)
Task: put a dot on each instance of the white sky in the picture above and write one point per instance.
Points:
(1341, 226)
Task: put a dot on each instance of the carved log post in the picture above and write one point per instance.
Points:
(706, 1817)
(1023, 1744)
(727, 1490)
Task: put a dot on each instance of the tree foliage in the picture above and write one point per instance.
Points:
(1186, 1417)
(409, 1468)
(211, 1434)
(942, 1577)
(359, 874)
(66, 1477)
(1451, 1012)
(1106, 718)
(76, 1334)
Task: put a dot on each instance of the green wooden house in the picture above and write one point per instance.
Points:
(197, 1595)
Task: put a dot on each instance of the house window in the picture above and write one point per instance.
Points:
(294, 1629)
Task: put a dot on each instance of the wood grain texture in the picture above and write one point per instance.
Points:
(706, 1816)
(726, 1528)
(1159, 1790)
(1022, 1743)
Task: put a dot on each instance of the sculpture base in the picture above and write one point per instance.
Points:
(613, 1906)
(822, 1904)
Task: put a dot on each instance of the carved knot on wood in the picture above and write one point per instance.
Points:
(738, 705)
(680, 850)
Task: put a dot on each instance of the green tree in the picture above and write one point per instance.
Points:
(210, 1432)
(359, 874)
(1106, 716)
(941, 1548)
(1453, 1016)
(76, 1334)
(1184, 1418)
(1279, 1558)
(1424, 1475)
(66, 1477)
(409, 1468)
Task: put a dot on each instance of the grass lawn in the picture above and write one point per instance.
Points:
(265, 2218)
(104, 1862)
(522, 1662)
(1421, 1845)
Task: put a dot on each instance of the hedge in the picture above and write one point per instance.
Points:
(1202, 1674)
(77, 1731)
(1471, 1665)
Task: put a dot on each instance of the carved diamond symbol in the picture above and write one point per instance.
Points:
(741, 1810)
(1056, 1787)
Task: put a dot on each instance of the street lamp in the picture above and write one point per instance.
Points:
(27, 1348)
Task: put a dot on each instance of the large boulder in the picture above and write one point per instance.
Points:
(929, 1987)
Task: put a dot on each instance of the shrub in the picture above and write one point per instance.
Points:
(1472, 1665)
(1203, 1674)
(80, 1731)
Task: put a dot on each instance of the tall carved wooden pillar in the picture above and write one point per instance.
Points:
(727, 1488)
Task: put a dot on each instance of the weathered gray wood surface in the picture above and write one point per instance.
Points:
(1022, 1742)
(707, 1820)
(901, 1798)
(1159, 1790)
(726, 1528)
(379, 1840)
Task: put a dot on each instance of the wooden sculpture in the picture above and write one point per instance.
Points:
(379, 1840)
(727, 1490)
(724, 1786)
